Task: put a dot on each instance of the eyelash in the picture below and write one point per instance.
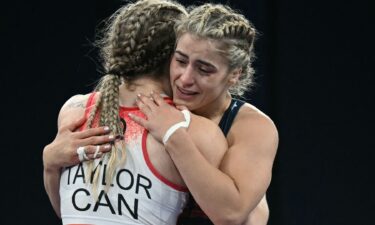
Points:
(204, 71)
(183, 62)
(180, 61)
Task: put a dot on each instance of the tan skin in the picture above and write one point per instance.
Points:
(62, 151)
(67, 133)
(59, 153)
(200, 79)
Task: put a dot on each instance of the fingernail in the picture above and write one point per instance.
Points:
(106, 128)
(119, 137)
(139, 95)
(107, 146)
(111, 137)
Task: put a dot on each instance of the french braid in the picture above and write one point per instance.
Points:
(139, 39)
(235, 33)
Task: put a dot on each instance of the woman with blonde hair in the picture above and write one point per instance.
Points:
(202, 88)
(132, 180)
(210, 66)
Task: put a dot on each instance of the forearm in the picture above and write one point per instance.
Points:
(214, 191)
(51, 178)
(52, 185)
(260, 215)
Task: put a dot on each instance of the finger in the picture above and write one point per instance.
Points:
(96, 151)
(157, 98)
(143, 107)
(81, 153)
(92, 156)
(97, 140)
(96, 131)
(92, 151)
(149, 102)
(139, 120)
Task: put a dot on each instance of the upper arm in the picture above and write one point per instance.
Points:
(253, 142)
(72, 110)
(209, 139)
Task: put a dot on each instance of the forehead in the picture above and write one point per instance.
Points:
(199, 48)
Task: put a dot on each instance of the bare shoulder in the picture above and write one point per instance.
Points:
(73, 109)
(204, 129)
(251, 114)
(252, 126)
(208, 138)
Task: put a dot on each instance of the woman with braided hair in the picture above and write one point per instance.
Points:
(118, 49)
(210, 65)
(131, 180)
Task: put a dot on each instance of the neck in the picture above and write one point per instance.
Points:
(215, 110)
(144, 85)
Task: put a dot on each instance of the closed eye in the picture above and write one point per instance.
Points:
(181, 61)
(206, 69)
(203, 70)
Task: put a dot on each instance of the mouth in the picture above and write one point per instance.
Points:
(185, 94)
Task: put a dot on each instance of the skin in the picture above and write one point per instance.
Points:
(200, 79)
(58, 154)
(68, 133)
(61, 151)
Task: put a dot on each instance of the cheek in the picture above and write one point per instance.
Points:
(207, 88)
(210, 83)
(213, 87)
(173, 71)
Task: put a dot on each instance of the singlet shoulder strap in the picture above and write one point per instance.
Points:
(229, 115)
(90, 102)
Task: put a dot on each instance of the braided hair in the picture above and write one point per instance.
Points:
(232, 30)
(139, 39)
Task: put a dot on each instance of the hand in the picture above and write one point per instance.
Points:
(62, 152)
(160, 116)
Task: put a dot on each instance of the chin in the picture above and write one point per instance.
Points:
(178, 101)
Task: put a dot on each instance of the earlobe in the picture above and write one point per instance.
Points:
(235, 76)
(232, 81)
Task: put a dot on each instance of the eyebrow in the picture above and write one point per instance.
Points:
(180, 53)
(198, 60)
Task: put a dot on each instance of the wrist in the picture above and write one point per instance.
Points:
(174, 139)
(184, 124)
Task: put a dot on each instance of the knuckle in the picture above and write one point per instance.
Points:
(88, 132)
(89, 149)
(64, 127)
(103, 139)
(72, 135)
(95, 140)
(99, 130)
(91, 139)
(73, 144)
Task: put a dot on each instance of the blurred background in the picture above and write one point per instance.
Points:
(314, 78)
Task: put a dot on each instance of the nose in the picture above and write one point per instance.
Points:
(187, 76)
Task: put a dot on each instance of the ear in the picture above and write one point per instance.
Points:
(234, 76)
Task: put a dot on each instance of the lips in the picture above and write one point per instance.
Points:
(184, 94)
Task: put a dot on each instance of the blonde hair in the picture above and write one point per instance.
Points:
(234, 33)
(139, 39)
